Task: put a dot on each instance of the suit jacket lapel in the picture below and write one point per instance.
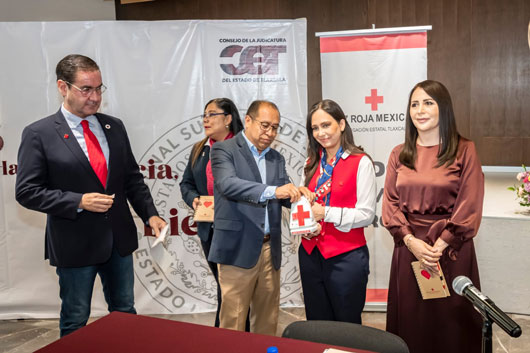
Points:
(271, 165)
(112, 141)
(245, 151)
(202, 162)
(67, 136)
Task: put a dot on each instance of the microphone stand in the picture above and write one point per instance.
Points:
(487, 335)
(487, 331)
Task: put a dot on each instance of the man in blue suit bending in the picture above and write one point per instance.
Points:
(250, 187)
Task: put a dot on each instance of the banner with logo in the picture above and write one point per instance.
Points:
(159, 76)
(370, 73)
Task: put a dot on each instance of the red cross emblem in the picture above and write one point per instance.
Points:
(373, 99)
(300, 215)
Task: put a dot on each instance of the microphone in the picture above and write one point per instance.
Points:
(464, 287)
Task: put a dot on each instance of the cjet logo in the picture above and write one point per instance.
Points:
(253, 60)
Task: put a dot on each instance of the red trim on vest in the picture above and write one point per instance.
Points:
(331, 241)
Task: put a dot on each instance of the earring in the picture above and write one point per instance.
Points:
(227, 127)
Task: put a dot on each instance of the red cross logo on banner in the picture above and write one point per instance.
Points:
(300, 216)
(373, 99)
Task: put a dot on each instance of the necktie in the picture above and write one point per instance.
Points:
(95, 154)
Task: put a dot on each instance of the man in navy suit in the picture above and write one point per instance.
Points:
(250, 187)
(77, 166)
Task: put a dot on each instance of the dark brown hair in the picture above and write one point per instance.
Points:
(229, 108)
(449, 135)
(67, 68)
(313, 147)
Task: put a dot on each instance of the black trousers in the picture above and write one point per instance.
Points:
(334, 288)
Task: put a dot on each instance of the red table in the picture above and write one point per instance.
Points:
(120, 332)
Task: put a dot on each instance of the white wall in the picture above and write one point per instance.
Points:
(57, 10)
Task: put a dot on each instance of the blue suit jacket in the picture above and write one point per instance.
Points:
(239, 216)
(54, 173)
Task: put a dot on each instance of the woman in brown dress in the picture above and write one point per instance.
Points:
(432, 206)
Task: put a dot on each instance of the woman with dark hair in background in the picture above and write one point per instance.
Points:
(334, 261)
(432, 206)
(221, 121)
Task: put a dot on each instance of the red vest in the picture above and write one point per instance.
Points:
(331, 241)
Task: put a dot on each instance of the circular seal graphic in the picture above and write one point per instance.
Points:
(188, 285)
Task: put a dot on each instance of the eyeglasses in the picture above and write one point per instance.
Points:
(211, 115)
(87, 91)
(265, 127)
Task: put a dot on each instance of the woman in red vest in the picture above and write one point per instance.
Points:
(334, 260)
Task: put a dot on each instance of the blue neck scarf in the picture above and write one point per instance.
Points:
(327, 171)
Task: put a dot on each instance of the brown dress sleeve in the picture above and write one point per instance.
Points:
(467, 210)
(393, 218)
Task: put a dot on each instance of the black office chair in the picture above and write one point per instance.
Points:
(346, 334)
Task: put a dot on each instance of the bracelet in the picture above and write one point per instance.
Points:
(408, 241)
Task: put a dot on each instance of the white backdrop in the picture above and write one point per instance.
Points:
(160, 75)
(370, 74)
